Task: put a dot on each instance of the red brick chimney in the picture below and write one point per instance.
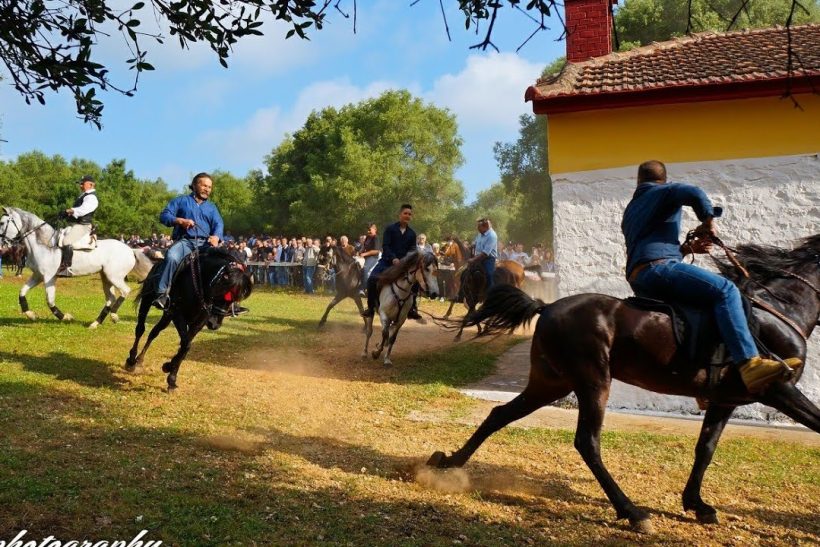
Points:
(589, 29)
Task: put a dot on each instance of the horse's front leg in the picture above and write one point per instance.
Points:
(186, 336)
(51, 294)
(713, 424)
(385, 335)
(336, 299)
(110, 297)
(32, 282)
(134, 362)
(394, 333)
(139, 330)
(368, 332)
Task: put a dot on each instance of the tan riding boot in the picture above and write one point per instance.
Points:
(758, 372)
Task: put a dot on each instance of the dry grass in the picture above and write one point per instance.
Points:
(280, 434)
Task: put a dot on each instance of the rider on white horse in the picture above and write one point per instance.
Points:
(78, 232)
(196, 221)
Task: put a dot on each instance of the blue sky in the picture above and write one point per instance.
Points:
(192, 115)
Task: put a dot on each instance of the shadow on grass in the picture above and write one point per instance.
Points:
(185, 491)
(64, 366)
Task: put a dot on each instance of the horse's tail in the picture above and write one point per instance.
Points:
(505, 308)
(148, 285)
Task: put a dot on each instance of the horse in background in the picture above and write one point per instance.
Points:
(14, 258)
(473, 286)
(348, 280)
(397, 287)
(582, 342)
(202, 291)
(112, 258)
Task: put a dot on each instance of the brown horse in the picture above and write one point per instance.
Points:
(348, 280)
(582, 342)
(473, 284)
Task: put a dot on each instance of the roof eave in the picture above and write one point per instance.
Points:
(672, 94)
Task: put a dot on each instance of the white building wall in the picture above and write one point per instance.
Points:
(766, 200)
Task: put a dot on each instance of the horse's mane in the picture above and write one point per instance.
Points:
(45, 233)
(461, 247)
(767, 262)
(342, 256)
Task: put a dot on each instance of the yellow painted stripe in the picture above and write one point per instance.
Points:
(717, 130)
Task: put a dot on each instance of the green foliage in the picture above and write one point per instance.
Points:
(359, 163)
(47, 185)
(235, 200)
(640, 22)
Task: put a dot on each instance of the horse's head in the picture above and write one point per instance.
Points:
(227, 279)
(9, 227)
(426, 274)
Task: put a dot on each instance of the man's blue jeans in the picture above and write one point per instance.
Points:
(308, 273)
(369, 263)
(489, 269)
(178, 251)
(682, 283)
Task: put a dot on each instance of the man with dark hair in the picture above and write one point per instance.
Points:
(196, 222)
(655, 267)
(79, 217)
(398, 240)
(371, 248)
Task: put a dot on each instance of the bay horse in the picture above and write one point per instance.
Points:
(582, 342)
(113, 260)
(15, 258)
(473, 286)
(397, 286)
(202, 291)
(348, 280)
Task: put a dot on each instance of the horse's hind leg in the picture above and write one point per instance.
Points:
(32, 282)
(186, 336)
(790, 401)
(164, 321)
(110, 296)
(528, 401)
(592, 397)
(713, 424)
(368, 332)
(124, 291)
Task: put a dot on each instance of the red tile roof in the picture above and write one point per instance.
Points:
(742, 63)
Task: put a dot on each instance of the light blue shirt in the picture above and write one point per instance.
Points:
(487, 243)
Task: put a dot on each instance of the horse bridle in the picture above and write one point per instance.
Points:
(20, 234)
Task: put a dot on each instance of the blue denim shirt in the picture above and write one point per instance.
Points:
(487, 243)
(651, 222)
(205, 215)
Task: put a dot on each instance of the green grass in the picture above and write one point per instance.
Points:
(281, 434)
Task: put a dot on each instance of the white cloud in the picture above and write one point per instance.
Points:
(489, 92)
(250, 141)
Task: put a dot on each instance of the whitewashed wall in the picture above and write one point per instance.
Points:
(766, 200)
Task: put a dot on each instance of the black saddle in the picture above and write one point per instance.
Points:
(696, 331)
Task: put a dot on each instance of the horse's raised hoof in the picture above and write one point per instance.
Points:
(94, 325)
(30, 315)
(642, 526)
(167, 367)
(115, 318)
(67, 318)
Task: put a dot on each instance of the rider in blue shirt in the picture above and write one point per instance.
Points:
(196, 222)
(655, 268)
(398, 240)
(486, 249)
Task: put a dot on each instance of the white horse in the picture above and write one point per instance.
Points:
(113, 259)
(396, 291)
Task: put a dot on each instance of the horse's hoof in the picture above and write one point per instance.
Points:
(642, 526)
(166, 367)
(94, 325)
(375, 354)
(707, 517)
(364, 355)
(67, 318)
(30, 315)
(171, 390)
(457, 338)
(115, 318)
(388, 363)
(437, 459)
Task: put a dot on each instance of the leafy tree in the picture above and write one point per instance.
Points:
(359, 163)
(641, 22)
(235, 200)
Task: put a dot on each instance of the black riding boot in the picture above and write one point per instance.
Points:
(372, 296)
(65, 262)
(414, 311)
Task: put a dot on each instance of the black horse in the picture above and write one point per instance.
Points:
(582, 342)
(348, 280)
(202, 292)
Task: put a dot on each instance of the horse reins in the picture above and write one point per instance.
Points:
(757, 302)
